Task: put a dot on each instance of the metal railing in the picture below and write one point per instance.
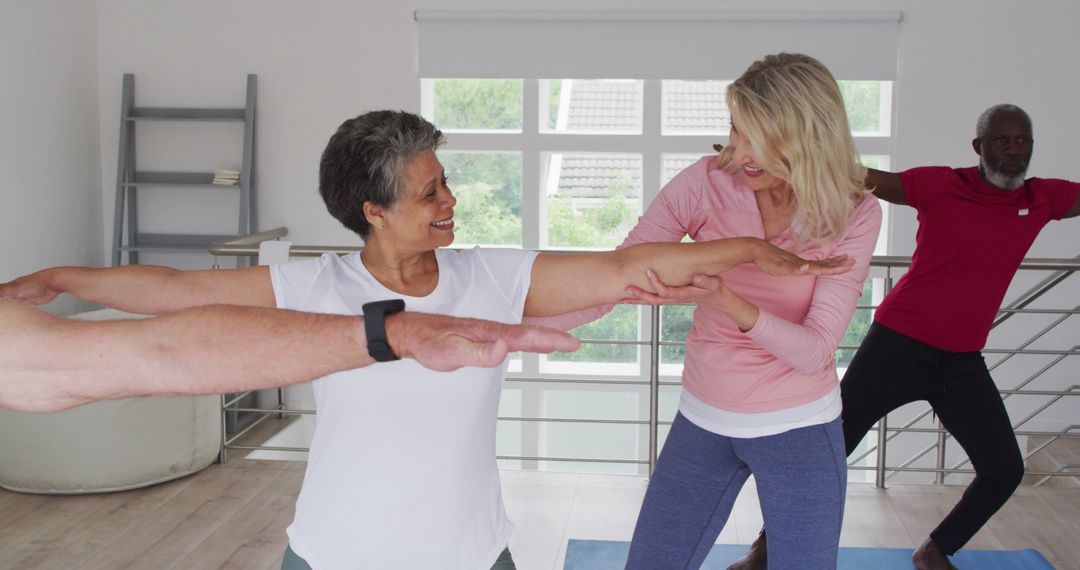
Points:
(1062, 268)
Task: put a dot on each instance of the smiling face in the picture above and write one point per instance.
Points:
(422, 218)
(1005, 149)
(743, 156)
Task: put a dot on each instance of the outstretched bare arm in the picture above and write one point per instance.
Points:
(145, 289)
(567, 282)
(52, 363)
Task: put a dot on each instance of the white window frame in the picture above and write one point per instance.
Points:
(533, 144)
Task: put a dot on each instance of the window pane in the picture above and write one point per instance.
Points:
(668, 404)
(674, 164)
(609, 106)
(488, 189)
(596, 403)
(477, 104)
(876, 161)
(593, 441)
(869, 106)
(675, 321)
(579, 440)
(622, 323)
(592, 200)
(694, 108)
(509, 436)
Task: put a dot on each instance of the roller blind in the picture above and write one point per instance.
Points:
(650, 45)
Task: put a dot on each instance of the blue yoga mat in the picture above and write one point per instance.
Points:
(611, 555)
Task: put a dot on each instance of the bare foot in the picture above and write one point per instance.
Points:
(930, 557)
(755, 558)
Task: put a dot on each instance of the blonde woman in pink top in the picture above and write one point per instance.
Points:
(761, 393)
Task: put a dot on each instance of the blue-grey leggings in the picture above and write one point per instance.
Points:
(801, 477)
(293, 562)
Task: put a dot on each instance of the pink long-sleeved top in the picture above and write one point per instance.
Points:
(786, 359)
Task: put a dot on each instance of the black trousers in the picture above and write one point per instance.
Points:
(890, 370)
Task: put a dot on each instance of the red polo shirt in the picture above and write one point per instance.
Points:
(970, 242)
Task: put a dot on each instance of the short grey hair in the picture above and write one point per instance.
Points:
(363, 162)
(983, 124)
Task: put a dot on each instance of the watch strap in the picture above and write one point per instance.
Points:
(375, 314)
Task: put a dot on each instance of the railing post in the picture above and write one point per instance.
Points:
(939, 472)
(883, 432)
(879, 469)
(223, 453)
(654, 387)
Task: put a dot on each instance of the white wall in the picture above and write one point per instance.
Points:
(50, 186)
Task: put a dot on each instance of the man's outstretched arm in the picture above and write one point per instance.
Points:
(1075, 209)
(50, 363)
(886, 185)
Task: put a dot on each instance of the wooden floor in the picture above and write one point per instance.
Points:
(234, 516)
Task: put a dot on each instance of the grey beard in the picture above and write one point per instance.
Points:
(998, 179)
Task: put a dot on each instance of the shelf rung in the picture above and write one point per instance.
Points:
(184, 114)
(174, 242)
(164, 248)
(206, 179)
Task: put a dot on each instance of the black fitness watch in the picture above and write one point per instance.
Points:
(375, 313)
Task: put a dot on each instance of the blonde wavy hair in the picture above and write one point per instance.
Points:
(791, 112)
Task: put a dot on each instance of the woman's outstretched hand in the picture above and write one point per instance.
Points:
(775, 261)
(445, 343)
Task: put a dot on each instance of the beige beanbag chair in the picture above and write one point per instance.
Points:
(109, 446)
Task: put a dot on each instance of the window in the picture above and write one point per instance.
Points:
(571, 167)
(561, 145)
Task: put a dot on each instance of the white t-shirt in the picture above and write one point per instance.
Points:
(402, 470)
